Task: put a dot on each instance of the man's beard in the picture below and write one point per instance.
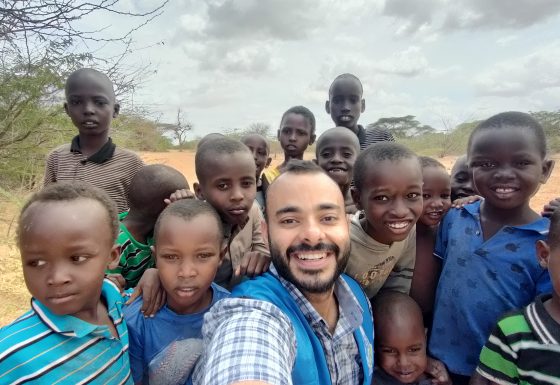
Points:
(281, 262)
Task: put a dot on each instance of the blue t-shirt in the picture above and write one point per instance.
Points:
(480, 281)
(149, 336)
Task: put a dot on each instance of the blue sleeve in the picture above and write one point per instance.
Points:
(440, 247)
(135, 323)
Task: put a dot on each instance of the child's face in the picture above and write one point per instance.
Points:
(345, 102)
(507, 167)
(436, 194)
(295, 135)
(391, 198)
(337, 156)
(187, 264)
(259, 149)
(90, 104)
(230, 186)
(65, 248)
(461, 181)
(401, 350)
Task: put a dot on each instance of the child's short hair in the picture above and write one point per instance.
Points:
(337, 130)
(208, 137)
(217, 146)
(346, 76)
(390, 304)
(189, 209)
(92, 73)
(426, 161)
(69, 191)
(305, 112)
(379, 152)
(513, 119)
(255, 134)
(152, 184)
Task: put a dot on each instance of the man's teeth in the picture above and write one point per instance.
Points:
(398, 225)
(311, 256)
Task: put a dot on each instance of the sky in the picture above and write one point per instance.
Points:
(230, 63)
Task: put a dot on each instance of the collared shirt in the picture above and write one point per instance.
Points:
(373, 135)
(248, 339)
(44, 348)
(481, 280)
(111, 169)
(524, 348)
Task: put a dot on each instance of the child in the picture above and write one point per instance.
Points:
(400, 344)
(261, 153)
(336, 152)
(226, 179)
(388, 190)
(149, 189)
(345, 105)
(74, 332)
(487, 247)
(186, 265)
(461, 180)
(296, 133)
(524, 347)
(92, 157)
(436, 192)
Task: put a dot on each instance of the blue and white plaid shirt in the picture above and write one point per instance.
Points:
(248, 339)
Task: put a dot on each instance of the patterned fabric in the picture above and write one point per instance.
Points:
(524, 348)
(111, 169)
(374, 135)
(44, 348)
(270, 174)
(480, 281)
(249, 339)
(135, 257)
(377, 266)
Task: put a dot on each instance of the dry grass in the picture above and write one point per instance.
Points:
(14, 298)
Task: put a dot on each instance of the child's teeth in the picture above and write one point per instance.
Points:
(399, 225)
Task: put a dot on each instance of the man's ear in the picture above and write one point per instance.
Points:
(198, 191)
(114, 257)
(116, 110)
(328, 107)
(547, 167)
(363, 105)
(543, 252)
(356, 197)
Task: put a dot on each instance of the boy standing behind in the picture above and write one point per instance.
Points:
(74, 332)
(487, 248)
(92, 156)
(261, 152)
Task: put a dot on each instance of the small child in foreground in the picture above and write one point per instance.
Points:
(336, 152)
(524, 347)
(436, 192)
(187, 266)
(74, 332)
(388, 191)
(400, 344)
(261, 152)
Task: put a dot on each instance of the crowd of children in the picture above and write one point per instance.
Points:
(123, 261)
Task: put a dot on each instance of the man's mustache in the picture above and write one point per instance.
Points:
(318, 247)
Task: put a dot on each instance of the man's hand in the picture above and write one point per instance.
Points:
(252, 264)
(153, 295)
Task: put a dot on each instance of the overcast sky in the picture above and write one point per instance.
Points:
(229, 63)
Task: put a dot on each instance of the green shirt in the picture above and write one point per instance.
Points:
(135, 257)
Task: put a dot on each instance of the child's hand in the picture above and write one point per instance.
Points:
(152, 293)
(549, 209)
(180, 194)
(118, 280)
(253, 263)
(436, 369)
(461, 202)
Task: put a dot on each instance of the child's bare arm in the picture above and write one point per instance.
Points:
(461, 202)
(180, 194)
(153, 295)
(437, 370)
(252, 264)
(118, 280)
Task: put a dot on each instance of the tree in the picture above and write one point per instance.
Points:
(178, 130)
(258, 128)
(402, 126)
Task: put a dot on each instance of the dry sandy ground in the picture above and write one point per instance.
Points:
(14, 299)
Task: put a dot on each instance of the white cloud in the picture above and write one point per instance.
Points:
(408, 63)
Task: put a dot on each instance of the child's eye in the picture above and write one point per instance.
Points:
(325, 154)
(381, 198)
(348, 154)
(222, 186)
(205, 255)
(75, 102)
(445, 196)
(37, 263)
(100, 102)
(413, 195)
(78, 258)
(426, 196)
(415, 349)
(524, 163)
(247, 183)
(388, 351)
(170, 257)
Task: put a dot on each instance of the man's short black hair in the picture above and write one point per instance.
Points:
(151, 185)
(513, 119)
(69, 191)
(303, 111)
(298, 166)
(376, 153)
(217, 146)
(189, 209)
(426, 161)
(346, 76)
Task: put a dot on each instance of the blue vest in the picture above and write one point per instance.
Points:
(310, 367)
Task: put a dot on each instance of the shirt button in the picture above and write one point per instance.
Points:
(477, 232)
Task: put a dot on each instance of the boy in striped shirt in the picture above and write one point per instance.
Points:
(524, 348)
(75, 332)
